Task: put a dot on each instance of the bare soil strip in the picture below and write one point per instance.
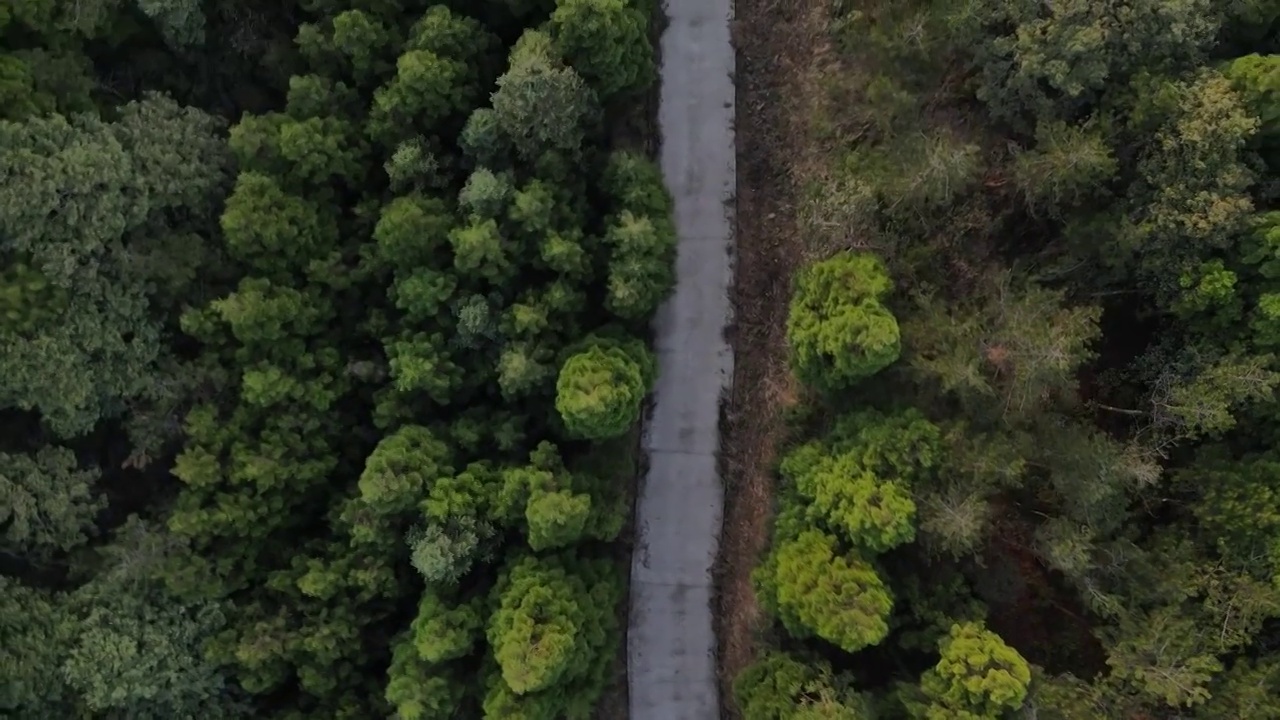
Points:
(781, 50)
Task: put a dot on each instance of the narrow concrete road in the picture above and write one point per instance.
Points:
(670, 642)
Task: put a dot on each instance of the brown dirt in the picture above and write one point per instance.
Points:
(781, 47)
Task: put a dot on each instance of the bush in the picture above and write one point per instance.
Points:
(838, 331)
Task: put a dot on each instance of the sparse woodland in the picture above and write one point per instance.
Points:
(323, 333)
(1034, 471)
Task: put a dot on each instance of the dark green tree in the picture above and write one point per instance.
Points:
(540, 104)
(51, 501)
(607, 42)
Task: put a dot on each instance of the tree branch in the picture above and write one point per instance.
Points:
(1123, 411)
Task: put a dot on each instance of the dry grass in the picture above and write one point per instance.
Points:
(782, 51)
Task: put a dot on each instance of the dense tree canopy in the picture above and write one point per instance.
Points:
(1031, 451)
(323, 332)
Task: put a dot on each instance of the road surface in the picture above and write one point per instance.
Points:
(670, 643)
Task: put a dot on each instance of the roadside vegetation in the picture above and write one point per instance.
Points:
(323, 333)
(1027, 468)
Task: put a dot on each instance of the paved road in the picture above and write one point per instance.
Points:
(670, 643)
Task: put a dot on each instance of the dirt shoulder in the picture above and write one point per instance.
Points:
(780, 46)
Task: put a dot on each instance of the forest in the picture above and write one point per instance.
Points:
(323, 341)
(1033, 472)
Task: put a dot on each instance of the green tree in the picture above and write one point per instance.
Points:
(484, 138)
(41, 81)
(399, 473)
(442, 552)
(443, 631)
(1050, 62)
(533, 633)
(1163, 654)
(816, 590)
(1257, 79)
(33, 635)
(481, 251)
(360, 38)
(50, 501)
(641, 264)
(77, 165)
(457, 525)
(978, 676)
(1063, 49)
(485, 194)
(1009, 354)
(421, 362)
(349, 44)
(423, 295)
(549, 630)
(312, 96)
(1068, 165)
(413, 166)
(427, 89)
(418, 690)
(607, 42)
(275, 232)
(539, 104)
(267, 316)
(88, 21)
(410, 232)
(556, 518)
(1091, 473)
(1244, 691)
(874, 514)
(255, 142)
(145, 661)
(98, 355)
(78, 187)
(634, 183)
(1239, 509)
(838, 331)
(1192, 197)
(1201, 397)
(859, 480)
(1065, 697)
(565, 254)
(599, 391)
(450, 34)
(320, 149)
(1210, 301)
(525, 369)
